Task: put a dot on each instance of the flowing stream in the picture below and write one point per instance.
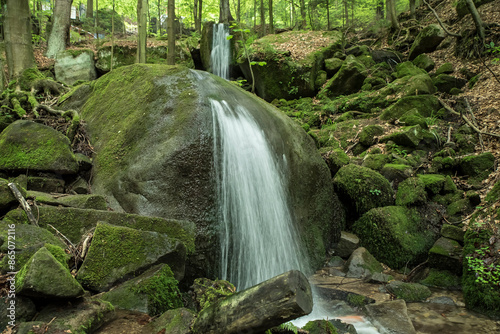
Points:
(258, 236)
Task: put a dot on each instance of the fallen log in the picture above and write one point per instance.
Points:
(256, 309)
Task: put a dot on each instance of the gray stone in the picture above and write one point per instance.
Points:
(46, 184)
(176, 321)
(45, 277)
(70, 67)
(410, 136)
(347, 244)
(445, 254)
(362, 264)
(391, 317)
(410, 292)
(23, 309)
(117, 253)
(427, 40)
(30, 146)
(333, 65)
(347, 80)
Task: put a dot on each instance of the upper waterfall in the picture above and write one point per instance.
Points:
(220, 57)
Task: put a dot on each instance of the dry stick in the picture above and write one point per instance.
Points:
(26, 207)
(475, 123)
(68, 242)
(440, 22)
(469, 123)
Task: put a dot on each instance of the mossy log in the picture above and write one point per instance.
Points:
(256, 309)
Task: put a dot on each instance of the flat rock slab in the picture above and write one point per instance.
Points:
(391, 317)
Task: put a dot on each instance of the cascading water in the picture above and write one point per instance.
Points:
(258, 239)
(220, 57)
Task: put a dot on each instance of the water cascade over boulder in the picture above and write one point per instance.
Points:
(152, 130)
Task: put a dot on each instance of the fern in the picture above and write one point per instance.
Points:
(288, 326)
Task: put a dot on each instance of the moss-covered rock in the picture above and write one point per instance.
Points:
(153, 292)
(285, 75)
(408, 69)
(480, 281)
(74, 223)
(361, 189)
(335, 158)
(368, 134)
(347, 80)
(31, 146)
(410, 292)
(427, 40)
(411, 192)
(446, 68)
(424, 62)
(333, 65)
(452, 232)
(413, 117)
(362, 264)
(445, 255)
(117, 253)
(45, 277)
(478, 166)
(96, 202)
(445, 83)
(396, 173)
(177, 321)
(425, 104)
(375, 161)
(7, 199)
(152, 127)
(409, 136)
(395, 235)
(320, 327)
(441, 279)
(433, 183)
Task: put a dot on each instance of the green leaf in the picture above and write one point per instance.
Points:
(229, 37)
(262, 63)
(253, 63)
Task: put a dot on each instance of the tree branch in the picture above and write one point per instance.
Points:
(441, 22)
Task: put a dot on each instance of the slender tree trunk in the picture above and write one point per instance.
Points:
(142, 18)
(171, 32)
(238, 11)
(90, 9)
(200, 6)
(346, 13)
(112, 36)
(327, 14)
(224, 12)
(159, 15)
(17, 33)
(391, 13)
(59, 35)
(412, 9)
(262, 18)
(254, 13)
(477, 19)
(271, 18)
(303, 14)
(195, 14)
(96, 21)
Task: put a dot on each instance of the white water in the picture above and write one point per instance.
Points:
(220, 57)
(258, 240)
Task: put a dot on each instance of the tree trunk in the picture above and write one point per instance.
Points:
(112, 36)
(346, 13)
(200, 7)
(262, 18)
(59, 35)
(477, 19)
(238, 11)
(17, 33)
(90, 9)
(257, 309)
(391, 12)
(159, 15)
(327, 14)
(303, 14)
(271, 18)
(142, 20)
(171, 32)
(412, 9)
(224, 12)
(195, 15)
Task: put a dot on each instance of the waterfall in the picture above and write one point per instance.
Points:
(220, 57)
(258, 237)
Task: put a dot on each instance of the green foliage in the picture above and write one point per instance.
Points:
(376, 192)
(486, 271)
(162, 291)
(287, 326)
(494, 50)
(320, 326)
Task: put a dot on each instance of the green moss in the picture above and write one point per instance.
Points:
(441, 279)
(162, 291)
(395, 235)
(376, 161)
(320, 327)
(411, 192)
(28, 77)
(356, 300)
(433, 182)
(207, 291)
(410, 292)
(59, 254)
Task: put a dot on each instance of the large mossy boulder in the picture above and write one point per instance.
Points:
(153, 132)
(348, 79)
(395, 235)
(30, 146)
(427, 40)
(361, 189)
(425, 104)
(286, 74)
(117, 253)
(44, 276)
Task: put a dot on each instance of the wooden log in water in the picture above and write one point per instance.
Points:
(256, 309)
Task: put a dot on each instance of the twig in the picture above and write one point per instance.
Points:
(26, 207)
(469, 109)
(440, 22)
(68, 242)
(414, 270)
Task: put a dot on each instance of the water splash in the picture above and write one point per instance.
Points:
(220, 57)
(258, 238)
